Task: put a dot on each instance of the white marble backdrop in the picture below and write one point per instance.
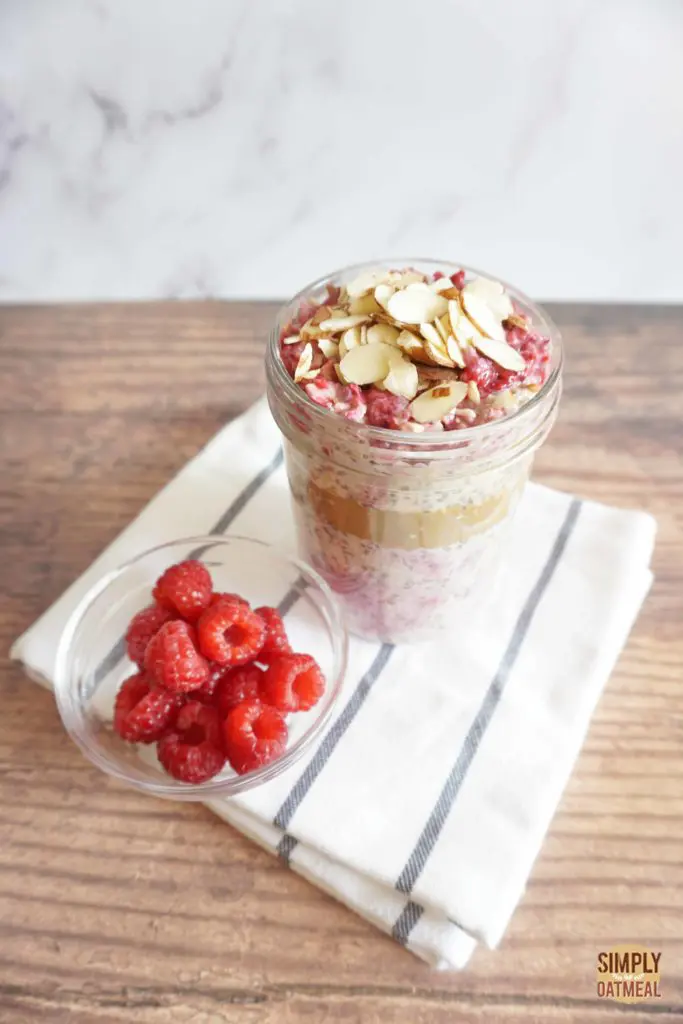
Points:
(241, 147)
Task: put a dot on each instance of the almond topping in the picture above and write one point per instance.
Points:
(443, 326)
(383, 292)
(482, 316)
(431, 406)
(416, 305)
(329, 348)
(441, 285)
(292, 339)
(434, 346)
(342, 323)
(500, 352)
(304, 364)
(366, 305)
(402, 379)
(473, 392)
(383, 332)
(455, 352)
(366, 364)
(365, 283)
(493, 294)
(349, 339)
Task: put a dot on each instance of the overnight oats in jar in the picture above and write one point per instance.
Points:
(412, 396)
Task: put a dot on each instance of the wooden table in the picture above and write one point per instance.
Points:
(114, 907)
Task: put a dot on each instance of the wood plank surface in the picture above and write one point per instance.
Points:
(117, 908)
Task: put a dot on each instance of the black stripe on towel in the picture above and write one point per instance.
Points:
(118, 651)
(434, 825)
(324, 751)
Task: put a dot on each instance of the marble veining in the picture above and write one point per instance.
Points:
(238, 149)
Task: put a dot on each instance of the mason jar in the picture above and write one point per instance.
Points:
(407, 528)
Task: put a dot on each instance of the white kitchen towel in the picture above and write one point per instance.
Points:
(427, 799)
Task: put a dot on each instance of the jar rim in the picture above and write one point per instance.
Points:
(403, 439)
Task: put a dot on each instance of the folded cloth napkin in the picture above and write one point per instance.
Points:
(425, 803)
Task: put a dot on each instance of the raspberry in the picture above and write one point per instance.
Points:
(192, 750)
(173, 660)
(253, 735)
(385, 409)
(276, 641)
(142, 628)
(143, 712)
(236, 685)
(292, 682)
(185, 589)
(230, 633)
(458, 279)
(221, 598)
(207, 691)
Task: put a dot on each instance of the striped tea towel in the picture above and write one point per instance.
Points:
(427, 799)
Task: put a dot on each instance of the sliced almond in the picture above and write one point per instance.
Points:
(435, 346)
(416, 305)
(443, 326)
(455, 352)
(442, 284)
(383, 292)
(365, 283)
(311, 330)
(500, 352)
(342, 323)
(366, 305)
(349, 339)
(366, 364)
(292, 339)
(517, 320)
(482, 316)
(364, 334)
(322, 313)
(431, 406)
(311, 375)
(430, 376)
(411, 345)
(386, 333)
(493, 294)
(304, 364)
(402, 379)
(473, 392)
(463, 330)
(454, 315)
(401, 279)
(329, 348)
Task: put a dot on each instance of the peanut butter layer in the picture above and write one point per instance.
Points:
(409, 531)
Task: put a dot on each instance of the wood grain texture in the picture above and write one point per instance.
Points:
(117, 908)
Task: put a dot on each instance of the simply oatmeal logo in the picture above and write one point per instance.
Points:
(629, 974)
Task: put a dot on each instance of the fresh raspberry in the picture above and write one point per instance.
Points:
(172, 658)
(220, 598)
(207, 691)
(143, 712)
(385, 409)
(192, 750)
(185, 589)
(253, 735)
(276, 641)
(230, 633)
(458, 279)
(292, 682)
(236, 685)
(142, 628)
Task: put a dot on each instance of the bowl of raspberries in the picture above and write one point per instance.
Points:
(202, 667)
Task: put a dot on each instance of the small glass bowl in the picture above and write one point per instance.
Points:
(92, 661)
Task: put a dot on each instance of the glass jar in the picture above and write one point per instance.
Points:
(408, 529)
